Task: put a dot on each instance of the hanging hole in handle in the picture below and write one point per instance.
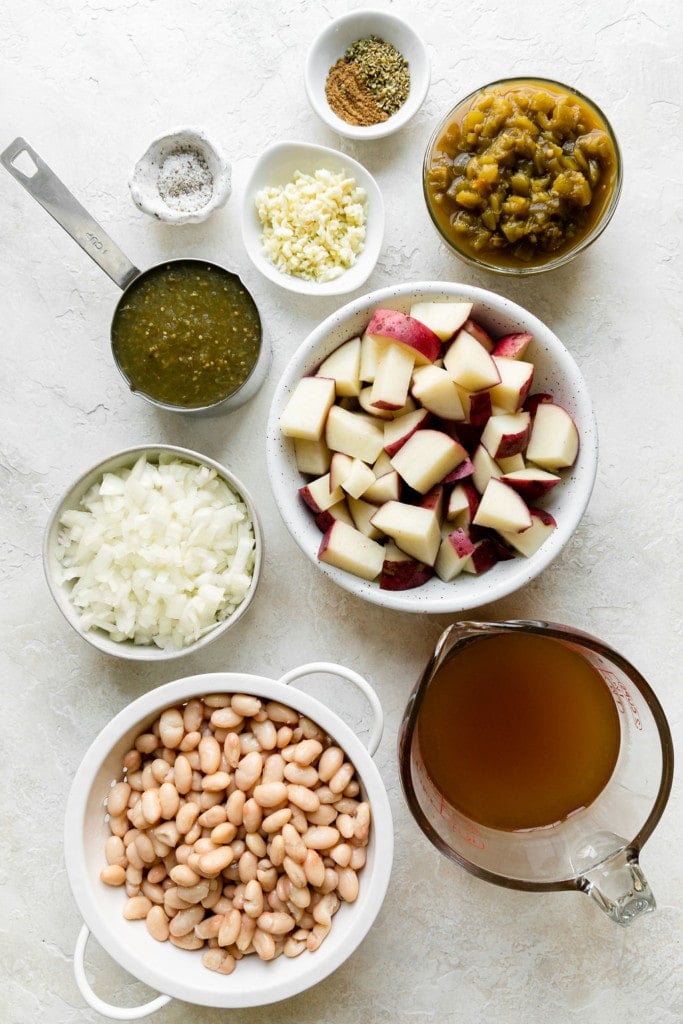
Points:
(24, 164)
(330, 668)
(94, 1001)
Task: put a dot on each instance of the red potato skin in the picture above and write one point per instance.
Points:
(434, 499)
(543, 515)
(324, 520)
(308, 500)
(532, 402)
(404, 575)
(512, 346)
(460, 472)
(461, 543)
(396, 446)
(478, 332)
(390, 323)
(484, 556)
(530, 490)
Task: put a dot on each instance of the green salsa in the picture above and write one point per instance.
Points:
(186, 334)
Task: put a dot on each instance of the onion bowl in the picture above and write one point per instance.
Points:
(179, 973)
(555, 372)
(61, 589)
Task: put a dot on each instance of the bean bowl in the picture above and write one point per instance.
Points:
(555, 372)
(62, 580)
(180, 973)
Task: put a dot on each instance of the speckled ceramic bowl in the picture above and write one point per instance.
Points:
(555, 372)
(150, 169)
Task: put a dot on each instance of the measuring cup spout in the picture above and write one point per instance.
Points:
(617, 883)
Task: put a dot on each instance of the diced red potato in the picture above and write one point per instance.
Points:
(426, 458)
(397, 432)
(454, 550)
(343, 366)
(404, 330)
(349, 549)
(512, 346)
(480, 333)
(392, 378)
(402, 572)
(469, 364)
(307, 409)
(516, 376)
(502, 509)
(438, 475)
(506, 434)
(554, 441)
(415, 530)
(318, 495)
(443, 318)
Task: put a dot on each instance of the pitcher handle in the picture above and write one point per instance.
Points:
(352, 677)
(99, 1005)
(619, 887)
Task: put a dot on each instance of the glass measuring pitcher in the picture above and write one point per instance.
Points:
(593, 849)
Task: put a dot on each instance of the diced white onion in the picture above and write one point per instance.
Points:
(158, 553)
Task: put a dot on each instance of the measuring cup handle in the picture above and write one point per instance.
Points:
(352, 677)
(53, 196)
(99, 1005)
(620, 888)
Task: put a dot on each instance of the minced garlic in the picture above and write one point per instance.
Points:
(314, 226)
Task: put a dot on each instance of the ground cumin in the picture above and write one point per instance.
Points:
(350, 98)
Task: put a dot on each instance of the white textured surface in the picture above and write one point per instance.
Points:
(88, 83)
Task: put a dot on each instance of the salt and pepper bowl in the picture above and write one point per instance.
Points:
(181, 178)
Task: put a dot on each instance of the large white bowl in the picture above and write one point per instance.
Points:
(277, 166)
(72, 499)
(176, 972)
(330, 45)
(555, 372)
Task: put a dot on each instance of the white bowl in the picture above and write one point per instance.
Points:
(175, 972)
(144, 179)
(277, 166)
(555, 372)
(331, 44)
(71, 499)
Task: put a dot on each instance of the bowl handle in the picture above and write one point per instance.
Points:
(97, 1004)
(352, 677)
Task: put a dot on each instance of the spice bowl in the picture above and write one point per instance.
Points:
(181, 178)
(276, 171)
(330, 47)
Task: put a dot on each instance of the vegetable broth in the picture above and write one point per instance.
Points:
(518, 731)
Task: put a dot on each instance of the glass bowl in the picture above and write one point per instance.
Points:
(529, 256)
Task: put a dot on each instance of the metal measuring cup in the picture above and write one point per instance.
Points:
(47, 189)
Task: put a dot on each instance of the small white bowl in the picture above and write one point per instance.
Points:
(61, 590)
(277, 166)
(178, 973)
(332, 43)
(555, 372)
(144, 180)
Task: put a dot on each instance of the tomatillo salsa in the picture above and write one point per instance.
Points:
(186, 334)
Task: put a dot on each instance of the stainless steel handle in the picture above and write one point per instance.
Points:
(53, 196)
